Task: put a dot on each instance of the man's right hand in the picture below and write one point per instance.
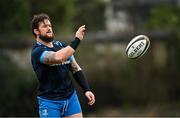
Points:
(80, 32)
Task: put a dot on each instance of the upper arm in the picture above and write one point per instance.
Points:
(42, 55)
(49, 57)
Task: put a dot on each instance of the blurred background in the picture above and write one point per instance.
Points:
(148, 86)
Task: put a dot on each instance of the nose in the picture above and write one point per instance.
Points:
(49, 28)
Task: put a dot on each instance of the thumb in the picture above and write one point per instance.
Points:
(89, 97)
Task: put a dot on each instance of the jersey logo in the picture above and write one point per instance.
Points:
(58, 43)
(45, 112)
(66, 62)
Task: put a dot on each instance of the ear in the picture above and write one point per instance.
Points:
(36, 31)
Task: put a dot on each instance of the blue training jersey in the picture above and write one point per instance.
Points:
(54, 80)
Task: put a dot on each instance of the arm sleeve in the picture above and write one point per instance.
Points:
(74, 44)
(38, 54)
(41, 59)
(81, 80)
(79, 76)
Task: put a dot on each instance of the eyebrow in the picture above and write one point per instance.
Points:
(44, 23)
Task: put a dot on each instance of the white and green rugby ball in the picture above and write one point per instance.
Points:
(137, 46)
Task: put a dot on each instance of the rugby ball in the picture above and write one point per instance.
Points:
(137, 46)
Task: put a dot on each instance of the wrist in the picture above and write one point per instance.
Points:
(86, 92)
(78, 38)
(75, 43)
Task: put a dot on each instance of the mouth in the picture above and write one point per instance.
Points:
(49, 33)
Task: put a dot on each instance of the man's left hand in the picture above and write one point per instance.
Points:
(90, 96)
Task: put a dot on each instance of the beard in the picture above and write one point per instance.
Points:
(46, 38)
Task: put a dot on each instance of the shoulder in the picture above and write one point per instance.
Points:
(38, 48)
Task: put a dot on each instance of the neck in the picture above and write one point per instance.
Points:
(48, 44)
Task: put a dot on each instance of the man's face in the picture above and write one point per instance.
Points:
(45, 31)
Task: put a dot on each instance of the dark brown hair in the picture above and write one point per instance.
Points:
(37, 19)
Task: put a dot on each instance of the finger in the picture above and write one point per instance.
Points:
(89, 97)
(82, 30)
(91, 102)
(82, 27)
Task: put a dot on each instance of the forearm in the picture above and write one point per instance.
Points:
(62, 55)
(65, 53)
(81, 80)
